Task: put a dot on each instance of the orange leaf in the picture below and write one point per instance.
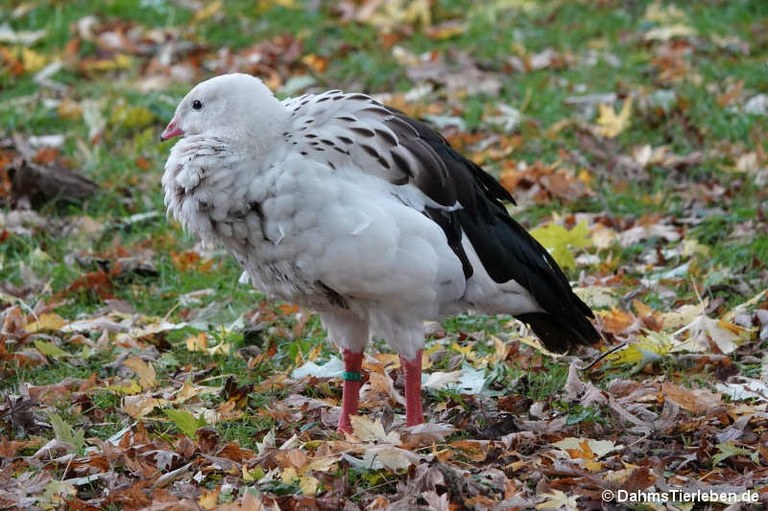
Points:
(45, 155)
(315, 62)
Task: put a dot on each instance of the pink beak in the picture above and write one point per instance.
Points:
(172, 130)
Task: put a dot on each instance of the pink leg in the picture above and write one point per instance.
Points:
(350, 395)
(412, 370)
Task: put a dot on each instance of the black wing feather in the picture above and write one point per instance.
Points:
(505, 248)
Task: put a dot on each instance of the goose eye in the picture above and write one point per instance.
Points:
(197, 105)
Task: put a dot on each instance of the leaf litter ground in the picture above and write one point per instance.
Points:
(137, 373)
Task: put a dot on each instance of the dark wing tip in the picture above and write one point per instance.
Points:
(560, 334)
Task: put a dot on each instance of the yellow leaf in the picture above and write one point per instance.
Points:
(144, 370)
(647, 349)
(597, 296)
(447, 30)
(309, 485)
(120, 61)
(558, 240)
(620, 476)
(70, 110)
(500, 350)
(386, 15)
(132, 387)
(664, 14)
(369, 431)
(265, 5)
(585, 177)
(419, 11)
(223, 348)
(197, 342)
(131, 116)
(50, 350)
(48, 322)
(33, 61)
(610, 124)
(252, 475)
(691, 248)
(684, 315)
(321, 463)
(387, 456)
(209, 10)
(289, 475)
(586, 448)
(464, 350)
(209, 498)
(603, 237)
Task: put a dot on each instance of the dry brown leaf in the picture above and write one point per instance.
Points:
(697, 401)
(144, 370)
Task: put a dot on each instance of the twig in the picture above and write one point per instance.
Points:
(602, 356)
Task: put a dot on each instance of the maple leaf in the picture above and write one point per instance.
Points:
(558, 241)
(185, 421)
(587, 450)
(367, 430)
(309, 485)
(609, 123)
(57, 493)
(66, 433)
(728, 449)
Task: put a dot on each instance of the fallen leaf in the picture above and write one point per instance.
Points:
(559, 241)
(144, 370)
(558, 500)
(333, 368)
(185, 421)
(141, 405)
(50, 350)
(697, 401)
(610, 124)
(727, 450)
(670, 32)
(367, 430)
(66, 433)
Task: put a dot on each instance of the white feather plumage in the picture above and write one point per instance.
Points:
(337, 203)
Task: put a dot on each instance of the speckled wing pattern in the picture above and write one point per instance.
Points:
(354, 130)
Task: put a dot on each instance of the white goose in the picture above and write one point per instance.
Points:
(338, 203)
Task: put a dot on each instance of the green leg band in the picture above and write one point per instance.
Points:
(351, 376)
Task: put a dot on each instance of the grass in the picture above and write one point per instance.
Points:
(127, 162)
